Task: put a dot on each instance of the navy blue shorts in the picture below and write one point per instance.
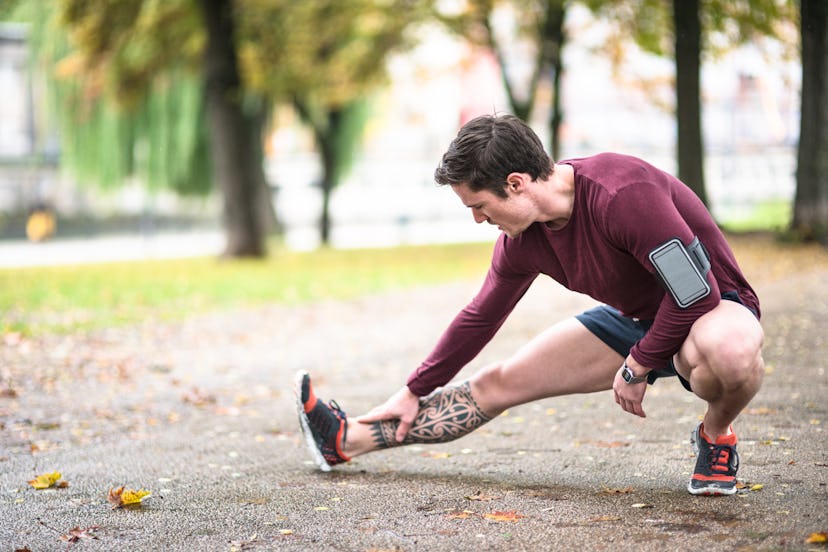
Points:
(621, 333)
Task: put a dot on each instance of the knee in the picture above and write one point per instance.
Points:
(487, 387)
(735, 357)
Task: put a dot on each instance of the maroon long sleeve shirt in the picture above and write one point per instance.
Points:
(623, 209)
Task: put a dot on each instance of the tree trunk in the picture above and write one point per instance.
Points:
(234, 149)
(689, 144)
(330, 171)
(555, 39)
(810, 213)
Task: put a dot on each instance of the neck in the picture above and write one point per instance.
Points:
(561, 197)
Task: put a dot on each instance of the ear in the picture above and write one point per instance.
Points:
(516, 182)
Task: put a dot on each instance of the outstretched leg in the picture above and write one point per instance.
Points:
(566, 358)
(445, 415)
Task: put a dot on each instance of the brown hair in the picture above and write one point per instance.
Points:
(487, 149)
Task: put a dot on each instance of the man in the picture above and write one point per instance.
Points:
(675, 303)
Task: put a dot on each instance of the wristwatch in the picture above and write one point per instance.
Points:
(631, 378)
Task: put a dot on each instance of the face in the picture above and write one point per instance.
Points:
(512, 214)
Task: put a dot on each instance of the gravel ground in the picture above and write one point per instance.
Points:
(201, 414)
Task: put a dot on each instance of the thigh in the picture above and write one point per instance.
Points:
(564, 359)
(720, 344)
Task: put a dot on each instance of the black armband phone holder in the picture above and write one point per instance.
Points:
(682, 270)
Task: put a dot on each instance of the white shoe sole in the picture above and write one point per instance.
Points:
(304, 423)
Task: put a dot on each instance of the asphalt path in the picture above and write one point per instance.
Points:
(201, 414)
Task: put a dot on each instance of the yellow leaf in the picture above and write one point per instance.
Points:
(606, 518)
(480, 496)
(46, 480)
(817, 538)
(611, 444)
(617, 490)
(757, 487)
(321, 508)
(436, 454)
(503, 516)
(123, 498)
(134, 497)
(465, 514)
(286, 531)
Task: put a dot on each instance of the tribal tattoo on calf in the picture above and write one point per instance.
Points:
(445, 415)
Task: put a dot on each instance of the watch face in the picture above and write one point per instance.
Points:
(627, 374)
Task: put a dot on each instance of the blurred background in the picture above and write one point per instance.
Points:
(137, 128)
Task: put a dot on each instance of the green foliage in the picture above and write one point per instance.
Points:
(124, 105)
(328, 52)
(126, 78)
(71, 298)
(725, 23)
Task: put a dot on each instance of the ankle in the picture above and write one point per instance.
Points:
(714, 433)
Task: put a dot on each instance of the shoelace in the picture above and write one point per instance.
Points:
(719, 457)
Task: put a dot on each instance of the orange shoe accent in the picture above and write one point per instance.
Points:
(729, 439)
(340, 438)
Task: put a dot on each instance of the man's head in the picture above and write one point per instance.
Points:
(489, 148)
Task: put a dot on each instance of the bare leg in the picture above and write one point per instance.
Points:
(566, 358)
(446, 414)
(722, 360)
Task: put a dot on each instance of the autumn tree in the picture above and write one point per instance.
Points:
(151, 89)
(683, 29)
(810, 212)
(325, 58)
(541, 23)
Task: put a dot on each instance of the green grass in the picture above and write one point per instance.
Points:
(73, 298)
(772, 215)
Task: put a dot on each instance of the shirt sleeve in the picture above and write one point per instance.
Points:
(640, 218)
(475, 325)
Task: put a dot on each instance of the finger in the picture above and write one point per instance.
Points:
(375, 415)
(635, 408)
(402, 430)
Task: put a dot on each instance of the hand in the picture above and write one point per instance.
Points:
(630, 396)
(402, 405)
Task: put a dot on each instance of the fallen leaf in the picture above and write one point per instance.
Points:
(127, 498)
(642, 505)
(617, 490)
(605, 518)
(465, 514)
(757, 487)
(78, 534)
(503, 516)
(438, 455)
(198, 397)
(46, 480)
(611, 444)
(286, 531)
(761, 411)
(479, 496)
(817, 538)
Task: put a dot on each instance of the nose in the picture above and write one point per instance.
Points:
(479, 216)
